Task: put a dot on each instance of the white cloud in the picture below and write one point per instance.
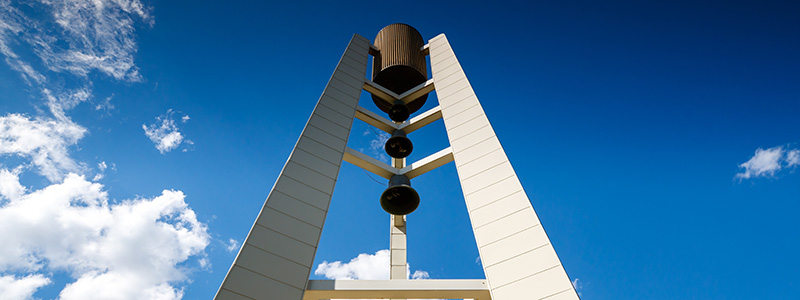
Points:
(165, 133)
(233, 245)
(14, 288)
(185, 119)
(766, 163)
(129, 250)
(134, 249)
(577, 285)
(365, 267)
(793, 158)
(44, 141)
(101, 167)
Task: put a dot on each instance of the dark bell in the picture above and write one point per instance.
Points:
(400, 198)
(398, 146)
(399, 111)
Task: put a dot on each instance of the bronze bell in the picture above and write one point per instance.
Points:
(399, 111)
(398, 146)
(400, 198)
(400, 64)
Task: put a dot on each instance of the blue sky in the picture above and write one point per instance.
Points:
(657, 140)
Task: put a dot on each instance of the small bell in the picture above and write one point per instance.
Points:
(399, 111)
(398, 146)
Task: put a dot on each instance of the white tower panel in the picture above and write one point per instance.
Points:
(518, 259)
(277, 256)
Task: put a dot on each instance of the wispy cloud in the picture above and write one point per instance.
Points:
(71, 36)
(577, 285)
(165, 133)
(768, 162)
(377, 143)
(133, 249)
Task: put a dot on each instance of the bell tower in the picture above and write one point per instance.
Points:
(277, 257)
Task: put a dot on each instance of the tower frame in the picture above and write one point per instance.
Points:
(277, 256)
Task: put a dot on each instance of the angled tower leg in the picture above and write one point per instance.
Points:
(277, 256)
(518, 259)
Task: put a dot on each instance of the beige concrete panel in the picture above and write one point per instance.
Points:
(532, 262)
(446, 67)
(340, 124)
(538, 286)
(283, 241)
(273, 266)
(297, 209)
(329, 127)
(301, 191)
(486, 177)
(228, 295)
(472, 111)
(337, 106)
(309, 160)
(475, 137)
(477, 151)
(460, 101)
(505, 227)
(485, 163)
(346, 84)
(500, 208)
(320, 150)
(308, 176)
(325, 138)
(446, 91)
(281, 245)
(398, 241)
(398, 256)
(492, 193)
(398, 273)
(443, 52)
(257, 286)
(457, 132)
(336, 93)
(289, 226)
(353, 62)
(453, 80)
(516, 247)
(568, 294)
(350, 72)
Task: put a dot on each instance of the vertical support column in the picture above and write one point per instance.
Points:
(276, 258)
(397, 243)
(517, 257)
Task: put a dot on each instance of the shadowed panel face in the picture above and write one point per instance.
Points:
(400, 65)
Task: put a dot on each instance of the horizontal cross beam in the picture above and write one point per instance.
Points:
(397, 289)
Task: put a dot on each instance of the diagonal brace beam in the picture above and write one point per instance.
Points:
(368, 163)
(431, 162)
(421, 120)
(380, 91)
(390, 97)
(374, 119)
(417, 91)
